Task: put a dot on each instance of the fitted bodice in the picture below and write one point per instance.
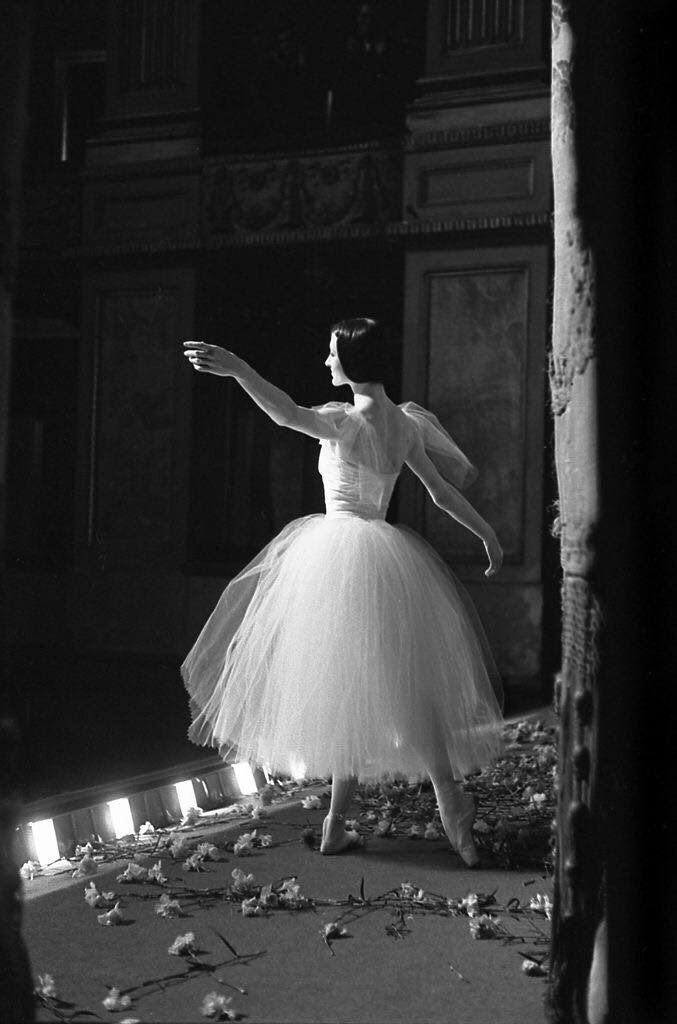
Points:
(362, 458)
(351, 489)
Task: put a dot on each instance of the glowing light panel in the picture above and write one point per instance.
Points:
(44, 837)
(121, 814)
(298, 771)
(186, 795)
(244, 777)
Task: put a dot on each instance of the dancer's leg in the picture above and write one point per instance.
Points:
(334, 835)
(457, 809)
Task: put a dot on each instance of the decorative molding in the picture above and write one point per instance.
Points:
(249, 156)
(176, 166)
(483, 135)
(394, 230)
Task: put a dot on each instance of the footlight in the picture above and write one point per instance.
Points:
(44, 837)
(186, 795)
(121, 814)
(244, 777)
(298, 771)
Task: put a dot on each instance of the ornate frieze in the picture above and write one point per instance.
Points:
(301, 191)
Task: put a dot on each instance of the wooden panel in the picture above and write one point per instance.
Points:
(482, 180)
(479, 181)
(475, 326)
(475, 330)
(153, 210)
(135, 390)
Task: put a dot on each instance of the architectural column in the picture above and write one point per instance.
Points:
(573, 380)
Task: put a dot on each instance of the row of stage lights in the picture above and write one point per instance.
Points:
(44, 834)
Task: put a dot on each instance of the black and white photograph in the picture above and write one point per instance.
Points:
(336, 545)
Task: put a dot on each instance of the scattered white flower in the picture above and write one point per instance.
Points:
(484, 927)
(244, 845)
(180, 847)
(46, 987)
(267, 897)
(207, 851)
(470, 904)
(415, 832)
(30, 869)
(290, 894)
(98, 899)
(533, 968)
(167, 907)
(115, 1002)
(87, 866)
(192, 816)
(155, 874)
(538, 800)
(241, 883)
(252, 907)
(133, 873)
(352, 824)
(193, 863)
(542, 903)
(183, 945)
(112, 917)
(311, 802)
(407, 891)
(431, 831)
(243, 849)
(266, 840)
(217, 1006)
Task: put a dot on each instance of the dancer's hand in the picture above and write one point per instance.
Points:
(494, 554)
(211, 359)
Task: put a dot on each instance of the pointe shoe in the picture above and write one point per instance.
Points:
(463, 842)
(348, 841)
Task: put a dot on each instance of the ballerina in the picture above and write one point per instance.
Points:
(346, 644)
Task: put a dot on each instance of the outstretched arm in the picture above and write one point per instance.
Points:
(276, 403)
(454, 504)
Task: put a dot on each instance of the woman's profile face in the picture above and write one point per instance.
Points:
(338, 377)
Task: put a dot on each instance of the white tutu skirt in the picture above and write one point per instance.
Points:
(345, 647)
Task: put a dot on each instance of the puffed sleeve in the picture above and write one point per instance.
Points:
(440, 446)
(337, 416)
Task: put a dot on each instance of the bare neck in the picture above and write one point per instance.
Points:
(366, 395)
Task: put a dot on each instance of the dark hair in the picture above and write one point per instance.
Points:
(362, 349)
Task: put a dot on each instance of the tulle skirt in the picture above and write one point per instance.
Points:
(345, 647)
